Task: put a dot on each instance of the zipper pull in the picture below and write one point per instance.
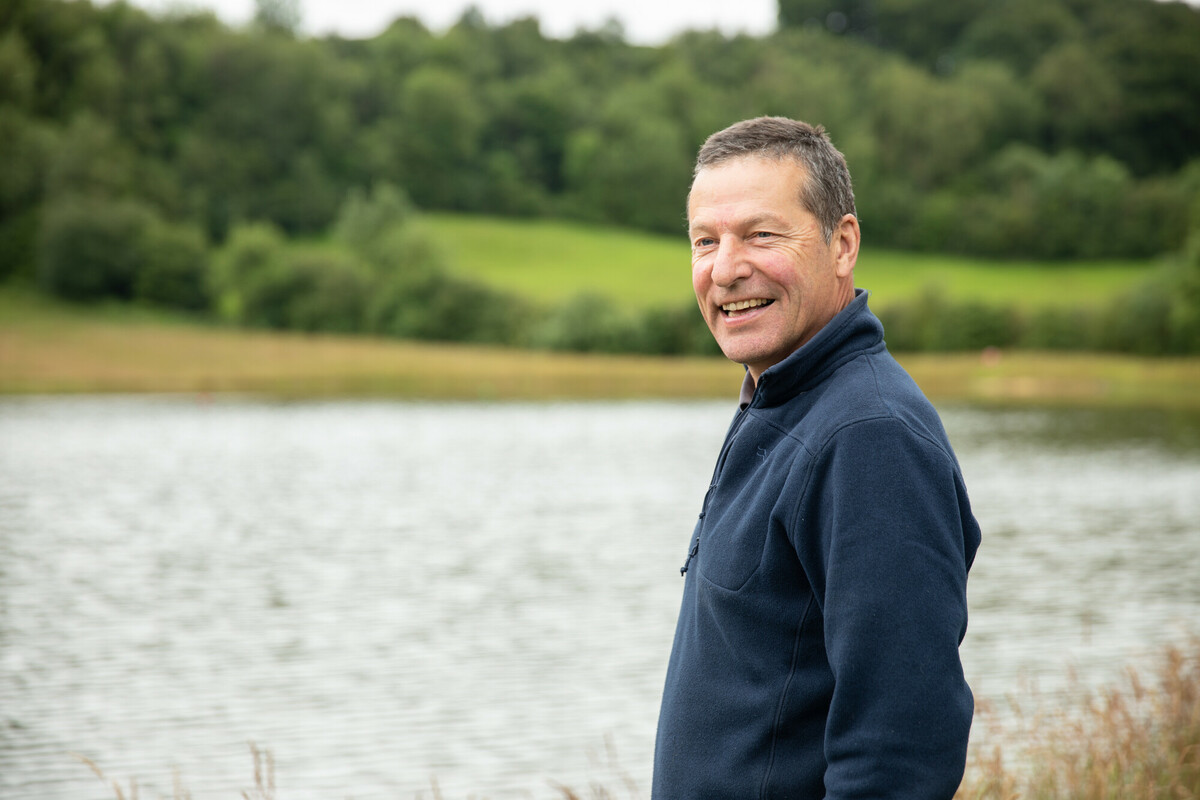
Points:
(691, 554)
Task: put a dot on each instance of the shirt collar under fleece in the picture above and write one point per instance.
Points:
(747, 393)
(853, 330)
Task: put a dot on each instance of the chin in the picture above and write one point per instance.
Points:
(742, 355)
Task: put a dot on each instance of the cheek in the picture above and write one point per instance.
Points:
(700, 280)
(788, 274)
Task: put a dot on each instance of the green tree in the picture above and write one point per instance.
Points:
(1018, 32)
(270, 135)
(927, 129)
(1150, 48)
(28, 144)
(924, 30)
(632, 168)
(91, 158)
(531, 118)
(437, 138)
(929, 100)
(1061, 206)
(281, 16)
(1080, 93)
(18, 72)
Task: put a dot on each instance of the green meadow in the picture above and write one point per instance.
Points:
(550, 261)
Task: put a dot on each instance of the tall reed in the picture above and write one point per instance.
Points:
(1137, 740)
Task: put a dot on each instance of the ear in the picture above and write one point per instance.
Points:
(843, 244)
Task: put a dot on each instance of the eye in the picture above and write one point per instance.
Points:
(704, 241)
(762, 235)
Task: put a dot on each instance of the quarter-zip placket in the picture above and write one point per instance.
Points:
(729, 437)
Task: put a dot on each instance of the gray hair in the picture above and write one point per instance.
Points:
(827, 193)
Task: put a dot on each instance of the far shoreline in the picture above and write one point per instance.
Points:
(49, 349)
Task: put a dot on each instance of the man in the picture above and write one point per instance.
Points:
(816, 653)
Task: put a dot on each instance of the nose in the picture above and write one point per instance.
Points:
(730, 263)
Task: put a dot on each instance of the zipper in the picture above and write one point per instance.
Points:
(729, 437)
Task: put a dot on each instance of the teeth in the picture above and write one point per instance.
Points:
(744, 304)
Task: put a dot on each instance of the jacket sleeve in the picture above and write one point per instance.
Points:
(895, 539)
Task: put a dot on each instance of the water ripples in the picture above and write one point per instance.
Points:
(384, 593)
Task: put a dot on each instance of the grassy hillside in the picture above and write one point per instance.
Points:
(551, 260)
(49, 347)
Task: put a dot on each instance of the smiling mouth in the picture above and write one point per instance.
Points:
(733, 310)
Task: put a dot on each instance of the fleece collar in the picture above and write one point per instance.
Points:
(854, 331)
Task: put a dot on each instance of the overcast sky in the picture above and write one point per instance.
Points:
(645, 21)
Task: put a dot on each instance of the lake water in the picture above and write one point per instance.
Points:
(393, 596)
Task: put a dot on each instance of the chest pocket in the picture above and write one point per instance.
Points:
(729, 556)
(736, 524)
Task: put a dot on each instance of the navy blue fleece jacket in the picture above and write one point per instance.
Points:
(816, 653)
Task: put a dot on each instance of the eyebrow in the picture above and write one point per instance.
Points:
(763, 217)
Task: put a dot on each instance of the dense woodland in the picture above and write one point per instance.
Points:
(272, 179)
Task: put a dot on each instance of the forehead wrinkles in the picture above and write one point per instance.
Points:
(748, 190)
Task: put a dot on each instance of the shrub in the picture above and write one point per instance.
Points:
(88, 247)
(679, 330)
(365, 218)
(310, 290)
(1162, 315)
(931, 322)
(405, 253)
(416, 296)
(908, 325)
(172, 266)
(973, 326)
(19, 245)
(250, 251)
(1185, 313)
(587, 323)
(1138, 322)
(334, 293)
(447, 308)
(1061, 329)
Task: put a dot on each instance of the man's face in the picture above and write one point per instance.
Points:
(765, 279)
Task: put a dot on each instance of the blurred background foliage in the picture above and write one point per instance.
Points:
(271, 180)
